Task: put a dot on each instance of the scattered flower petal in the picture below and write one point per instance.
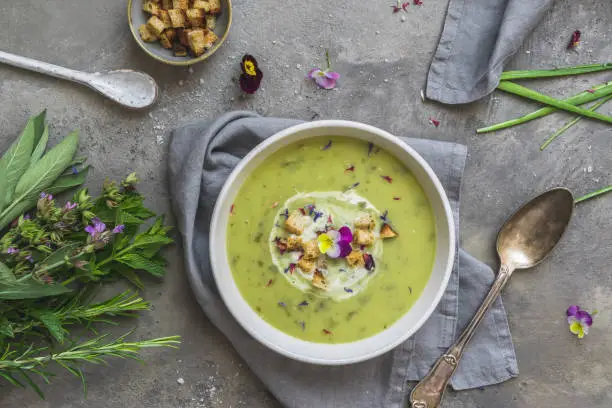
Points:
(575, 41)
(269, 283)
(118, 229)
(302, 325)
(304, 303)
(405, 6)
(275, 204)
(329, 219)
(290, 268)
(232, 208)
(302, 210)
(325, 79)
(383, 216)
(282, 304)
(418, 3)
(370, 149)
(590, 90)
(369, 261)
(434, 122)
(396, 198)
(327, 146)
(285, 213)
(349, 169)
(388, 179)
(281, 245)
(325, 331)
(352, 186)
(348, 290)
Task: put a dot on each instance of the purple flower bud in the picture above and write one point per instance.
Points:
(12, 251)
(70, 206)
(118, 229)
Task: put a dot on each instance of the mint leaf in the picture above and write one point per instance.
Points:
(139, 262)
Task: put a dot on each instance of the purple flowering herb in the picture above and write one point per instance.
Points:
(30, 259)
(27, 217)
(290, 268)
(12, 251)
(96, 229)
(304, 303)
(44, 195)
(327, 146)
(74, 170)
(118, 229)
(70, 206)
(348, 290)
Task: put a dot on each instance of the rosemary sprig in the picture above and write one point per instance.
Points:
(546, 73)
(572, 123)
(15, 365)
(593, 194)
(525, 92)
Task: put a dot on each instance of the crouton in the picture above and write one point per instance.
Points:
(211, 22)
(166, 4)
(318, 280)
(180, 4)
(196, 42)
(363, 237)
(387, 232)
(202, 5)
(151, 7)
(179, 50)
(181, 34)
(355, 259)
(167, 37)
(195, 18)
(294, 243)
(146, 34)
(296, 221)
(156, 26)
(306, 265)
(311, 249)
(177, 18)
(210, 39)
(365, 222)
(215, 6)
(321, 263)
(165, 17)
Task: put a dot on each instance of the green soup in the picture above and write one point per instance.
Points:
(327, 184)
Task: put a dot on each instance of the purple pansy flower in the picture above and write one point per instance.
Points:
(70, 206)
(579, 321)
(327, 78)
(96, 229)
(118, 229)
(12, 251)
(336, 244)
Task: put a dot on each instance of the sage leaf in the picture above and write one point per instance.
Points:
(39, 150)
(6, 275)
(53, 324)
(16, 210)
(39, 126)
(30, 290)
(139, 262)
(15, 161)
(48, 168)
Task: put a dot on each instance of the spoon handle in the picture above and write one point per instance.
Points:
(428, 393)
(44, 68)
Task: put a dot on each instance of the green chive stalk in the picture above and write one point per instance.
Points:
(546, 73)
(597, 92)
(525, 92)
(572, 123)
(593, 194)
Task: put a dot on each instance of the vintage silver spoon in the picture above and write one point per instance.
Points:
(524, 241)
(132, 89)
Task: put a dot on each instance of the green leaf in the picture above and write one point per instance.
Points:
(53, 324)
(30, 290)
(141, 263)
(39, 150)
(15, 161)
(59, 255)
(32, 384)
(16, 210)
(48, 168)
(63, 183)
(6, 274)
(11, 379)
(545, 73)
(6, 329)
(39, 126)
(130, 275)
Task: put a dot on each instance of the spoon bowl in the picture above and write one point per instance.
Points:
(132, 89)
(532, 232)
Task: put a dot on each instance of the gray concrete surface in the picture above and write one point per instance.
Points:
(383, 62)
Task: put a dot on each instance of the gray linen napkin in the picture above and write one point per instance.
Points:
(479, 37)
(202, 154)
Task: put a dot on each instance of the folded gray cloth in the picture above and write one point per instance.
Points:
(479, 37)
(202, 154)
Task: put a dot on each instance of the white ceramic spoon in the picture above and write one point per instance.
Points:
(131, 89)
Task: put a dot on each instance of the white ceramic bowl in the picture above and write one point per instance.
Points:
(343, 353)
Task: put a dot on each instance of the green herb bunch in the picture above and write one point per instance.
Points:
(53, 258)
(26, 170)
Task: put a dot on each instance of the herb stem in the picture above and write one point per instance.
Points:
(545, 73)
(597, 92)
(593, 194)
(572, 123)
(329, 59)
(528, 93)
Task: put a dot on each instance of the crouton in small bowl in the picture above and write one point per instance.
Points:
(180, 32)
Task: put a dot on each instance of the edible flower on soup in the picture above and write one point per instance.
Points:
(336, 243)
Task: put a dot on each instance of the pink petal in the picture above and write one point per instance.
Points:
(325, 82)
(332, 75)
(345, 249)
(311, 74)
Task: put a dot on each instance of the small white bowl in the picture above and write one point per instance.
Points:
(342, 353)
